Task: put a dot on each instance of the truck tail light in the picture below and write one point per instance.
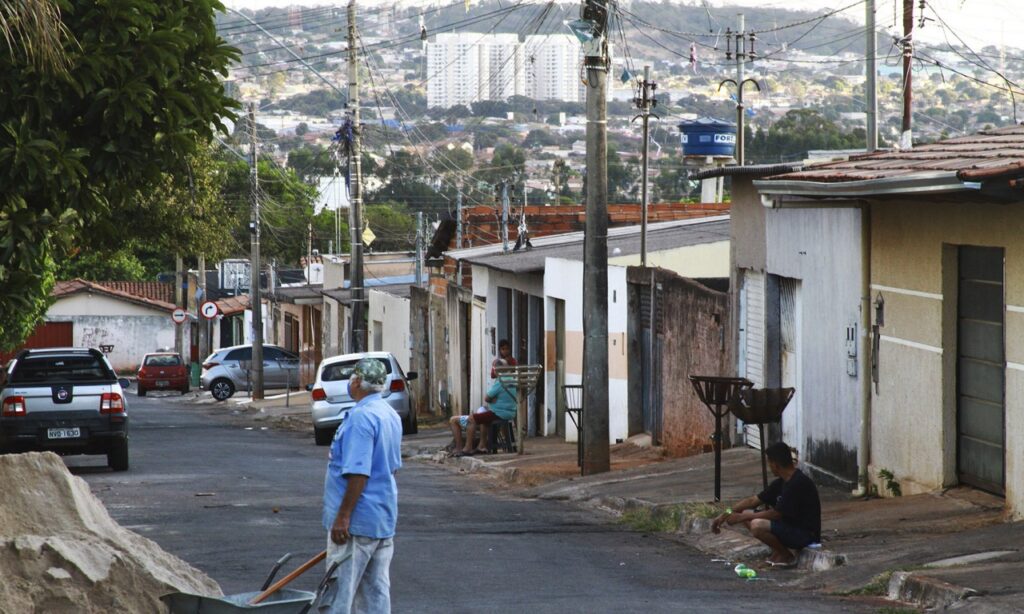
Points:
(13, 407)
(111, 403)
(397, 385)
(318, 394)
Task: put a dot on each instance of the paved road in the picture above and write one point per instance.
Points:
(231, 499)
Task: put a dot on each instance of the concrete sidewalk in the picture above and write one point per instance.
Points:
(948, 550)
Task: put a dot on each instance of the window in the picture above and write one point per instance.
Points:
(241, 354)
(339, 371)
(163, 360)
(57, 369)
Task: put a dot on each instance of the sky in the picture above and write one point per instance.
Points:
(978, 22)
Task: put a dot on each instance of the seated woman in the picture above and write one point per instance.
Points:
(499, 404)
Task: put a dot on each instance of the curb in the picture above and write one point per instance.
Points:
(925, 591)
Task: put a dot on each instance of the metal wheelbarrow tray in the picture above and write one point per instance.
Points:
(282, 601)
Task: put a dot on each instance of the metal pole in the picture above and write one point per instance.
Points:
(871, 70)
(596, 452)
(256, 300)
(645, 111)
(179, 329)
(740, 129)
(356, 285)
(204, 324)
(906, 137)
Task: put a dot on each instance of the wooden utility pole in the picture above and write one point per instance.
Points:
(355, 160)
(596, 451)
(906, 135)
(255, 295)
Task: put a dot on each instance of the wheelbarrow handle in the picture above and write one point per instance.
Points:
(273, 572)
(320, 590)
(285, 580)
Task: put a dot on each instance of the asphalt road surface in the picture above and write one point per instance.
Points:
(230, 498)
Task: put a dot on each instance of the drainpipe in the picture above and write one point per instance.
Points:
(864, 451)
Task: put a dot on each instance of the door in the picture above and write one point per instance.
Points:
(981, 369)
(46, 335)
(752, 339)
(650, 359)
(536, 357)
(789, 360)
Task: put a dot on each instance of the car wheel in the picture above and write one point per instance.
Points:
(185, 390)
(409, 425)
(141, 391)
(117, 455)
(324, 437)
(222, 389)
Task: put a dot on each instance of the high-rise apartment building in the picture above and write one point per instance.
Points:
(553, 64)
(466, 67)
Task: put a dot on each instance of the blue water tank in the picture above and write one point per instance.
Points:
(705, 136)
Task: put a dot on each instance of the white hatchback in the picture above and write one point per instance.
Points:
(331, 401)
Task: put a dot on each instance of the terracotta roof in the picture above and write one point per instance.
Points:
(77, 286)
(984, 155)
(233, 304)
(156, 290)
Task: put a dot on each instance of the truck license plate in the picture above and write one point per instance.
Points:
(163, 384)
(72, 433)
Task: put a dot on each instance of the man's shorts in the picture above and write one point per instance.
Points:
(482, 415)
(791, 536)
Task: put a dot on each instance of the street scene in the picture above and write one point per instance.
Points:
(511, 305)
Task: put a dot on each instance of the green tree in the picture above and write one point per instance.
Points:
(394, 226)
(118, 265)
(76, 146)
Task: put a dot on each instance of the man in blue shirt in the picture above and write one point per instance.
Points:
(361, 496)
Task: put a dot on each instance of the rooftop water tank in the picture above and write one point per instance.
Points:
(706, 136)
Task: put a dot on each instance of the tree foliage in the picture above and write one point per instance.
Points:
(141, 89)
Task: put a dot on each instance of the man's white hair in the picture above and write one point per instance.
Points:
(366, 386)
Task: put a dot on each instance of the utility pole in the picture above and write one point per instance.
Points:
(204, 324)
(179, 329)
(309, 254)
(906, 136)
(595, 433)
(255, 298)
(504, 216)
(871, 70)
(356, 273)
(742, 53)
(645, 102)
(419, 248)
(458, 220)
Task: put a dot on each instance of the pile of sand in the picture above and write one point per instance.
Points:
(60, 551)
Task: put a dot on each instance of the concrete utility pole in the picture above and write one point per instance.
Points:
(255, 297)
(906, 136)
(504, 216)
(596, 452)
(419, 248)
(458, 220)
(645, 102)
(871, 72)
(355, 155)
(179, 329)
(742, 54)
(204, 324)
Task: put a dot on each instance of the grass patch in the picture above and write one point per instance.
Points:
(652, 520)
(702, 510)
(877, 587)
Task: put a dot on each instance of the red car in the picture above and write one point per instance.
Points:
(162, 371)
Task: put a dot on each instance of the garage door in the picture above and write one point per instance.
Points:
(46, 335)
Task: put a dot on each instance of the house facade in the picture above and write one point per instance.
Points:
(942, 300)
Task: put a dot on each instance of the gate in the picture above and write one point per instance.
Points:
(651, 328)
(981, 369)
(46, 335)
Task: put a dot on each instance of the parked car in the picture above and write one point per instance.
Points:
(331, 401)
(162, 371)
(65, 400)
(229, 369)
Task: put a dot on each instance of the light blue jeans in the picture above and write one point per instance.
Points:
(362, 582)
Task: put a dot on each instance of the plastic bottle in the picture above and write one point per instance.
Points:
(745, 572)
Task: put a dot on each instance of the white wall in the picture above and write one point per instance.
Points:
(563, 280)
(87, 304)
(393, 314)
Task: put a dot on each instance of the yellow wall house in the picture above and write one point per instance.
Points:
(943, 284)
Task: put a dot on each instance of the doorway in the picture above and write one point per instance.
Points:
(981, 369)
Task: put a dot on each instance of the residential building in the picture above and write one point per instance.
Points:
(466, 67)
(553, 63)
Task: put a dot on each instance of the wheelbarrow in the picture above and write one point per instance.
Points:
(268, 600)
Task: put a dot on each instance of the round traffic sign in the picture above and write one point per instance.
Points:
(209, 310)
(179, 315)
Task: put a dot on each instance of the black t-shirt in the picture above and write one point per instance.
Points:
(797, 501)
